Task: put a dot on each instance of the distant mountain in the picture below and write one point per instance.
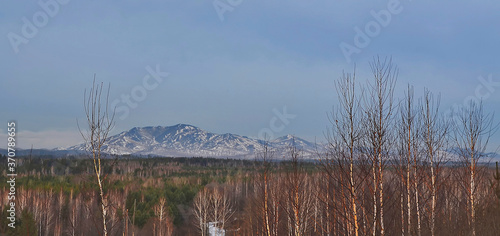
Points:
(44, 152)
(455, 155)
(183, 140)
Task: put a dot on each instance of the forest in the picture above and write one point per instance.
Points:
(179, 196)
(390, 166)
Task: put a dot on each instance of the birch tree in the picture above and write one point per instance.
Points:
(201, 210)
(472, 131)
(164, 226)
(221, 207)
(378, 127)
(99, 124)
(434, 137)
(298, 201)
(343, 144)
(266, 198)
(408, 134)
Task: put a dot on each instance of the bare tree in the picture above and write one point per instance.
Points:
(212, 205)
(298, 201)
(201, 210)
(434, 137)
(495, 185)
(408, 135)
(99, 124)
(265, 200)
(164, 227)
(472, 132)
(222, 207)
(379, 114)
(343, 144)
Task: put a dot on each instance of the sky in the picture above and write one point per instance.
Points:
(233, 66)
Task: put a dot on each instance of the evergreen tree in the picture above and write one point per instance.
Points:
(27, 224)
(4, 228)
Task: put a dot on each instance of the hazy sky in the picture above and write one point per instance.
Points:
(234, 65)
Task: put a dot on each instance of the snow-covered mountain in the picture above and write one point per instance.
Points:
(187, 140)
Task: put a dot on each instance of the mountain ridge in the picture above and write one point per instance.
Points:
(183, 140)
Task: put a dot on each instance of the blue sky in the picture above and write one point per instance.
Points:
(230, 72)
